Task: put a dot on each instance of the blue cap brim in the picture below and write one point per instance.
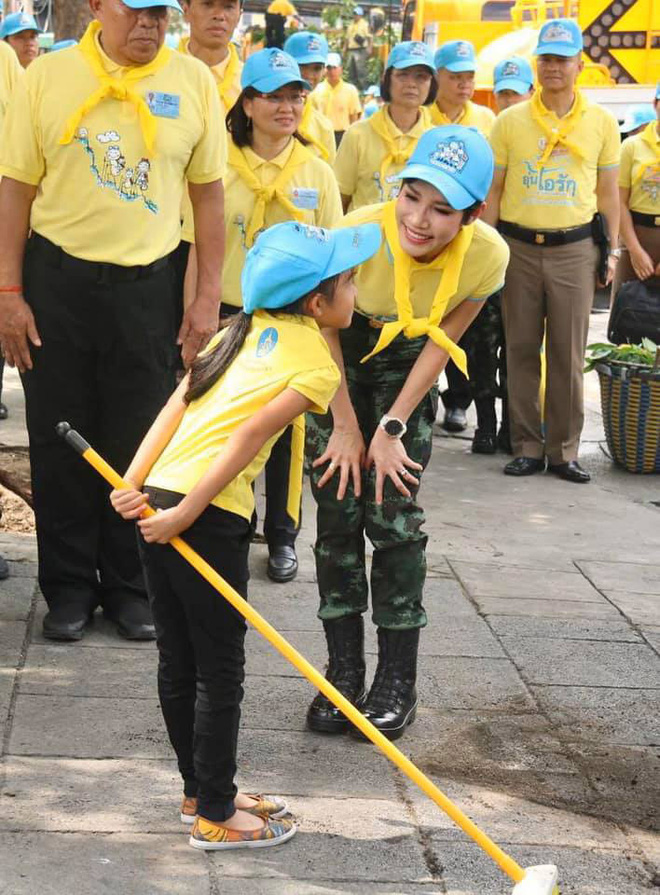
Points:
(146, 4)
(275, 81)
(310, 59)
(411, 63)
(454, 193)
(346, 253)
(514, 84)
(557, 50)
(468, 65)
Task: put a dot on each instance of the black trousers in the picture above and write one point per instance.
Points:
(201, 655)
(458, 394)
(279, 528)
(106, 366)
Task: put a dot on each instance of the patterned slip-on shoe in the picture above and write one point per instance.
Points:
(268, 806)
(212, 837)
(188, 810)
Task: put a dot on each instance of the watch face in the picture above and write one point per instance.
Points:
(394, 428)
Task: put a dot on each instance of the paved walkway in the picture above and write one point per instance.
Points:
(539, 686)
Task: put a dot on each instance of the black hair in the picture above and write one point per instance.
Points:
(208, 367)
(386, 93)
(240, 126)
(467, 212)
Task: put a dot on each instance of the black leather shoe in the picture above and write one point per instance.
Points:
(346, 670)
(391, 705)
(133, 619)
(571, 471)
(455, 420)
(4, 413)
(4, 568)
(66, 622)
(282, 564)
(484, 442)
(524, 466)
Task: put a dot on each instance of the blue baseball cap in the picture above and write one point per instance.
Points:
(559, 37)
(289, 260)
(270, 69)
(63, 45)
(456, 160)
(514, 74)
(306, 47)
(374, 91)
(17, 22)
(147, 4)
(637, 116)
(409, 53)
(358, 11)
(456, 55)
(334, 60)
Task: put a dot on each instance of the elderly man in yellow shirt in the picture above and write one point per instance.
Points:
(99, 140)
(335, 98)
(557, 158)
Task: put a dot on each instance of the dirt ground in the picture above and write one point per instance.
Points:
(15, 491)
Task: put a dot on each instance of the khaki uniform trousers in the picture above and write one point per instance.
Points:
(551, 287)
(649, 238)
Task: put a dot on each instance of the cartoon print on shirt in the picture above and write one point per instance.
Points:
(239, 222)
(392, 190)
(130, 183)
(651, 184)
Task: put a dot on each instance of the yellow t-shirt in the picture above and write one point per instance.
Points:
(635, 152)
(10, 72)
(282, 8)
(473, 115)
(233, 89)
(279, 352)
(562, 193)
(312, 188)
(101, 197)
(320, 129)
(337, 103)
(482, 273)
(357, 29)
(361, 154)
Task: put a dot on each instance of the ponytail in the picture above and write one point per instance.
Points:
(207, 368)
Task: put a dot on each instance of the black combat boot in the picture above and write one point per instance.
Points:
(346, 670)
(392, 701)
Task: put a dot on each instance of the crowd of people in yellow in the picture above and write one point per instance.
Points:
(245, 230)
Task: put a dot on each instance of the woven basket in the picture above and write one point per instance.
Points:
(630, 399)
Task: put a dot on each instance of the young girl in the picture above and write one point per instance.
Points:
(374, 151)
(196, 466)
(416, 297)
(271, 177)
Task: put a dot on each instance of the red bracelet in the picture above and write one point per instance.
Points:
(11, 288)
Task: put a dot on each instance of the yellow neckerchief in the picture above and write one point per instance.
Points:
(557, 130)
(450, 261)
(439, 117)
(303, 129)
(383, 125)
(266, 194)
(120, 89)
(225, 81)
(650, 135)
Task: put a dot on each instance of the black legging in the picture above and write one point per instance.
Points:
(201, 653)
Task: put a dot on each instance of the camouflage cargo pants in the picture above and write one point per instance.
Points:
(398, 568)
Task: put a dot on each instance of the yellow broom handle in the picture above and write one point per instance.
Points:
(508, 865)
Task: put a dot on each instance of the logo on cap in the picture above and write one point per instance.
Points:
(557, 34)
(267, 341)
(313, 44)
(511, 70)
(24, 20)
(463, 50)
(417, 49)
(279, 60)
(356, 239)
(450, 156)
(317, 233)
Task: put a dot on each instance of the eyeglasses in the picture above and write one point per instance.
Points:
(278, 99)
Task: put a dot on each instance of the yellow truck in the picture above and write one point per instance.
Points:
(621, 38)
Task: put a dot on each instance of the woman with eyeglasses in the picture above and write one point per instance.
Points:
(375, 149)
(272, 176)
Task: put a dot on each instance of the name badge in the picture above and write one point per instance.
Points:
(305, 198)
(164, 105)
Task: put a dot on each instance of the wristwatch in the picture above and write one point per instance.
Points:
(393, 426)
(615, 253)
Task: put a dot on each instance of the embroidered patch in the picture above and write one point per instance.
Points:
(279, 61)
(303, 197)
(417, 49)
(313, 45)
(267, 341)
(164, 105)
(463, 50)
(317, 233)
(450, 156)
(557, 34)
(511, 70)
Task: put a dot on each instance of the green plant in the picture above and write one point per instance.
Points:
(643, 355)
